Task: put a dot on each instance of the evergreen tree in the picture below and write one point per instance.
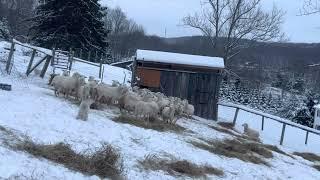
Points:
(305, 116)
(69, 24)
(4, 29)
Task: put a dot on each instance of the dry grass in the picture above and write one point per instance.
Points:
(226, 125)
(177, 167)
(276, 149)
(155, 124)
(317, 167)
(104, 162)
(245, 151)
(225, 131)
(308, 156)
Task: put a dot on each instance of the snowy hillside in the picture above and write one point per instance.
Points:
(32, 110)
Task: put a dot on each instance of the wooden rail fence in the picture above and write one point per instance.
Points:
(50, 56)
(265, 116)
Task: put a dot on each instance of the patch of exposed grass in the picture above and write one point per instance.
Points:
(245, 151)
(7, 137)
(225, 131)
(317, 167)
(308, 156)
(178, 167)
(276, 149)
(104, 162)
(154, 124)
(226, 125)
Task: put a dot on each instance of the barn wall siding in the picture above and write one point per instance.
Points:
(198, 88)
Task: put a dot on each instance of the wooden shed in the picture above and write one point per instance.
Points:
(195, 78)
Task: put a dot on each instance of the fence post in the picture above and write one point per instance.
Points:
(89, 56)
(96, 57)
(80, 53)
(282, 133)
(102, 74)
(10, 56)
(53, 56)
(45, 67)
(70, 59)
(307, 136)
(31, 61)
(235, 116)
(262, 125)
(100, 69)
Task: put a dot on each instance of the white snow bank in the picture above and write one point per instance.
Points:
(182, 59)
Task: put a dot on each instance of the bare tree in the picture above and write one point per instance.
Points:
(116, 20)
(310, 7)
(124, 33)
(236, 24)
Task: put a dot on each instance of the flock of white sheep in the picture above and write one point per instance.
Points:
(142, 103)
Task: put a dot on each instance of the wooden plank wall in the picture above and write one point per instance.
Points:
(201, 90)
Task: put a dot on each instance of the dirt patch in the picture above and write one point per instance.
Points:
(178, 167)
(155, 124)
(104, 162)
(245, 151)
(308, 156)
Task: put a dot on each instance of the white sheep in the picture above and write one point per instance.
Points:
(115, 83)
(68, 85)
(128, 101)
(110, 94)
(146, 110)
(84, 109)
(188, 110)
(91, 78)
(179, 106)
(84, 92)
(135, 89)
(251, 133)
(149, 97)
(57, 82)
(168, 113)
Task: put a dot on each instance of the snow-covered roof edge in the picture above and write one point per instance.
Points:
(182, 59)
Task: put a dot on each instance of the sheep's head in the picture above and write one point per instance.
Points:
(245, 126)
(115, 83)
(91, 78)
(76, 75)
(65, 73)
(123, 89)
(135, 89)
(82, 81)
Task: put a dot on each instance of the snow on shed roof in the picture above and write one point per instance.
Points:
(182, 59)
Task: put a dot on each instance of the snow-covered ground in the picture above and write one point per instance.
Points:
(32, 109)
(294, 138)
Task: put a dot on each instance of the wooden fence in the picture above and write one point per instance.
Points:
(265, 116)
(49, 57)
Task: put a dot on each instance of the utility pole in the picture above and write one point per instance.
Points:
(165, 32)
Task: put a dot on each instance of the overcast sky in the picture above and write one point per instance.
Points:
(158, 15)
